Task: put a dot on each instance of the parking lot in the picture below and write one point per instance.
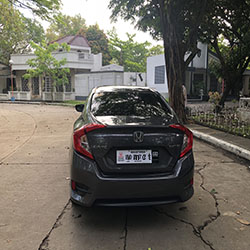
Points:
(35, 211)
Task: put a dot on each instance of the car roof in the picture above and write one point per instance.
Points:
(121, 89)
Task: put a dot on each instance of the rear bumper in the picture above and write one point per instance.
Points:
(92, 188)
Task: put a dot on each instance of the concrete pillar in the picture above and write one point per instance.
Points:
(246, 83)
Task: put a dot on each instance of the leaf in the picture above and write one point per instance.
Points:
(213, 191)
(244, 222)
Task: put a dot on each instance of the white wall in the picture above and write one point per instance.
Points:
(199, 61)
(133, 79)
(97, 62)
(159, 60)
(153, 62)
(84, 83)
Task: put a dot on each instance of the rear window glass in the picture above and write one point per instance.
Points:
(136, 103)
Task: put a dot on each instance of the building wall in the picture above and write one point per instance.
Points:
(196, 67)
(152, 63)
(84, 83)
(134, 79)
(200, 60)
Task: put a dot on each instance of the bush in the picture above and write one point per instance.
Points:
(214, 98)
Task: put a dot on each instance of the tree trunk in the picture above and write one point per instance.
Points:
(174, 61)
(175, 69)
(233, 81)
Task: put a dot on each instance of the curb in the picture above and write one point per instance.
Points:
(241, 152)
(39, 103)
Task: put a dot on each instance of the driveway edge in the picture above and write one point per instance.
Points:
(241, 152)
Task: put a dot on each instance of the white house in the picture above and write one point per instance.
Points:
(198, 80)
(86, 72)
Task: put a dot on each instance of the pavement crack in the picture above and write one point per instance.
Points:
(196, 231)
(26, 141)
(45, 242)
(212, 218)
(125, 230)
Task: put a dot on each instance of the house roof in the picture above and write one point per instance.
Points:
(77, 40)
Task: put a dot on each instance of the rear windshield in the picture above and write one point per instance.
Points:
(136, 103)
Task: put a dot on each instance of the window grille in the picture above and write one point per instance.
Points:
(159, 75)
(68, 85)
(47, 84)
(59, 88)
(35, 85)
(25, 85)
(81, 56)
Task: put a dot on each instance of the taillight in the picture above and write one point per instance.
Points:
(187, 138)
(80, 140)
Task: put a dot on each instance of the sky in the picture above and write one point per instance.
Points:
(96, 11)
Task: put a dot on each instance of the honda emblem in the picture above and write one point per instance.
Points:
(138, 136)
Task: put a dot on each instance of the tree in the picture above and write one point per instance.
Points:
(64, 25)
(98, 42)
(46, 65)
(178, 23)
(42, 8)
(230, 39)
(129, 53)
(156, 50)
(16, 31)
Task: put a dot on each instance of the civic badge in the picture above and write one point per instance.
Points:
(138, 136)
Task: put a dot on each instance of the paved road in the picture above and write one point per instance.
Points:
(35, 212)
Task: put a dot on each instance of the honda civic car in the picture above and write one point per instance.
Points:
(129, 149)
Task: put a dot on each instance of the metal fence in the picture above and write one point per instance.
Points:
(228, 120)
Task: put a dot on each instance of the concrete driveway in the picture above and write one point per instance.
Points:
(35, 211)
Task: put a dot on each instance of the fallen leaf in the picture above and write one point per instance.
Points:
(229, 213)
(238, 212)
(213, 191)
(244, 222)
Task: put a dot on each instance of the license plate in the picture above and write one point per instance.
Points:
(133, 156)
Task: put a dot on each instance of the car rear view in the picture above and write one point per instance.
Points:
(129, 149)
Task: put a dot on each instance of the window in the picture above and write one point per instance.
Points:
(25, 85)
(160, 74)
(81, 56)
(35, 86)
(144, 104)
(59, 88)
(68, 85)
(47, 85)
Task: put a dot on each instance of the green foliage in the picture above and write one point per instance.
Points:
(98, 42)
(42, 8)
(214, 98)
(156, 50)
(230, 38)
(129, 53)
(16, 31)
(63, 25)
(178, 23)
(45, 64)
(73, 102)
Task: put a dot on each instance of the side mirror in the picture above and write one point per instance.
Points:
(79, 107)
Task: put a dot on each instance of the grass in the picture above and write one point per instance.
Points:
(74, 102)
(224, 127)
